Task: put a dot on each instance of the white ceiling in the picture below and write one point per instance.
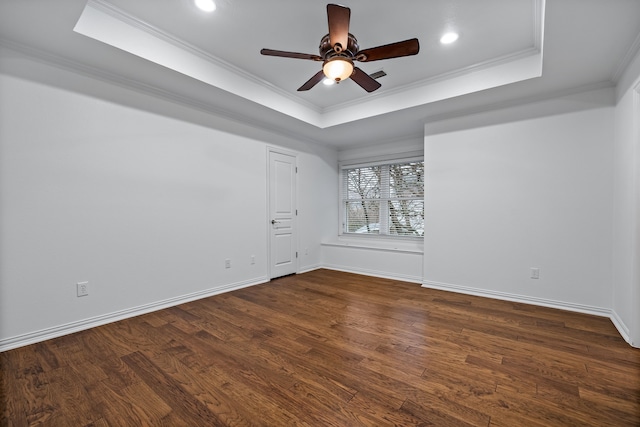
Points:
(508, 50)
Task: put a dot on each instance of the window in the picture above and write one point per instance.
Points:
(384, 199)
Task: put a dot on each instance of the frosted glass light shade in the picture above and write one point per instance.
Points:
(338, 68)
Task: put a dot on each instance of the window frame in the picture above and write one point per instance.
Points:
(371, 162)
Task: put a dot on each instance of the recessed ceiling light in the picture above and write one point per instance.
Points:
(206, 5)
(449, 38)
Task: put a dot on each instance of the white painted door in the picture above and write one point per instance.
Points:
(282, 211)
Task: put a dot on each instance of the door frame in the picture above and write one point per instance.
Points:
(278, 150)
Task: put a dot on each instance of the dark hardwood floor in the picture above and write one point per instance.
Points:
(331, 349)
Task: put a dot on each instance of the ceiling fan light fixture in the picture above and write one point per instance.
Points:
(338, 68)
(339, 49)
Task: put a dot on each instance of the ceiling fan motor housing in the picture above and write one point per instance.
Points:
(327, 51)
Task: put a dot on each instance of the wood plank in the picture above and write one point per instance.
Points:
(186, 406)
(335, 349)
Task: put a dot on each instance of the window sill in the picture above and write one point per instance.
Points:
(377, 245)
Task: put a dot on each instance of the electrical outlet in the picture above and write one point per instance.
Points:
(535, 273)
(82, 289)
(253, 259)
(227, 263)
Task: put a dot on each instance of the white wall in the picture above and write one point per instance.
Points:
(626, 213)
(318, 204)
(374, 259)
(512, 195)
(144, 207)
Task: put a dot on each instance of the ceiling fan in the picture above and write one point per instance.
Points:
(339, 49)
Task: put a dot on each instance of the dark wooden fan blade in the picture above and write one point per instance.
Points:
(365, 81)
(338, 17)
(312, 81)
(283, 54)
(393, 50)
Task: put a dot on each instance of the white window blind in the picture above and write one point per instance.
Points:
(384, 199)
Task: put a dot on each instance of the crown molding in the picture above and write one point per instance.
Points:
(108, 24)
(626, 60)
(434, 123)
(461, 72)
(510, 64)
(156, 32)
(137, 86)
(539, 8)
(535, 49)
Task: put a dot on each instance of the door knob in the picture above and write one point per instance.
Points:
(273, 221)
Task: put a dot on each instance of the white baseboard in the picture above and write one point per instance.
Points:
(309, 268)
(580, 308)
(374, 273)
(69, 328)
(623, 329)
(561, 305)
